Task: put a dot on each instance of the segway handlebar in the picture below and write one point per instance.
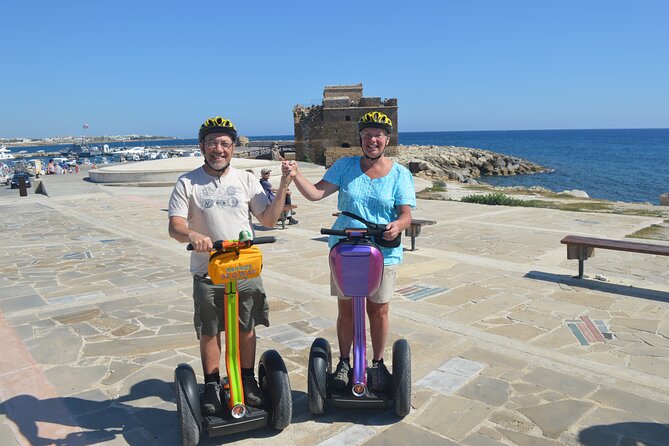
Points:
(226, 244)
(353, 232)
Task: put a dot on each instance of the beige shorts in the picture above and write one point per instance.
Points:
(385, 292)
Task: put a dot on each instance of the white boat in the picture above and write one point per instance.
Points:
(5, 153)
(129, 153)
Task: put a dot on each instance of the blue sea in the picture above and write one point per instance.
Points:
(629, 165)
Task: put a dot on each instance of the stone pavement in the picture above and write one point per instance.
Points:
(507, 348)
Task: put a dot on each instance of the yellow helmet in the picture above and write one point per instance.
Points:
(217, 125)
(375, 119)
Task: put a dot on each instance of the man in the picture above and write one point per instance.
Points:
(376, 188)
(266, 185)
(270, 192)
(215, 202)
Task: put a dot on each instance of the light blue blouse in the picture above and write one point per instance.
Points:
(375, 200)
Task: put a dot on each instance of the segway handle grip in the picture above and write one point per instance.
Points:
(264, 239)
(347, 233)
(325, 231)
(218, 244)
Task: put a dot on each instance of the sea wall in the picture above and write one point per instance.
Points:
(463, 164)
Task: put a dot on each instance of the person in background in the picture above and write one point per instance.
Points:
(381, 191)
(216, 202)
(266, 185)
(270, 192)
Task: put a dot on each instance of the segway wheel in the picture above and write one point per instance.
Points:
(273, 378)
(402, 377)
(188, 405)
(320, 365)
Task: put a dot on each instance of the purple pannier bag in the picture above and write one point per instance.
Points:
(357, 267)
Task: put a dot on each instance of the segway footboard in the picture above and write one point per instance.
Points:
(351, 401)
(226, 425)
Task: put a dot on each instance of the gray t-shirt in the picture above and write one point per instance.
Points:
(217, 207)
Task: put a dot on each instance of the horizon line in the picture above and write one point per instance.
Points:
(408, 131)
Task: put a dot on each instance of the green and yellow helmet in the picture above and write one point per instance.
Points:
(217, 125)
(377, 120)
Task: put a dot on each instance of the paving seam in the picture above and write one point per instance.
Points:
(545, 266)
(141, 238)
(592, 371)
(40, 388)
(489, 262)
(57, 309)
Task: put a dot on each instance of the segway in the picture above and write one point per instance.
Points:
(229, 261)
(357, 267)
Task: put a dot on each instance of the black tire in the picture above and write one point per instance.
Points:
(273, 378)
(320, 366)
(402, 377)
(188, 405)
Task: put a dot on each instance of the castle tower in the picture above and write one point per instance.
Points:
(332, 125)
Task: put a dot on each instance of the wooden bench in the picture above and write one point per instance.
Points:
(412, 231)
(582, 248)
(285, 213)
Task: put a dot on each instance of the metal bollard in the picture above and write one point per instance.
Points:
(23, 189)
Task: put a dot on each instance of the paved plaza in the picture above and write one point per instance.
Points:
(507, 347)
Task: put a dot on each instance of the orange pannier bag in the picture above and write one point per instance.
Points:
(245, 263)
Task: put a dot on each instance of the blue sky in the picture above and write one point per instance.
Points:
(162, 67)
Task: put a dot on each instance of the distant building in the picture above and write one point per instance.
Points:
(333, 124)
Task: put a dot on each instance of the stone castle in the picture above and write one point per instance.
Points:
(331, 127)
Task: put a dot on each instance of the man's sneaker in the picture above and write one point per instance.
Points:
(212, 398)
(380, 377)
(252, 393)
(341, 375)
(292, 221)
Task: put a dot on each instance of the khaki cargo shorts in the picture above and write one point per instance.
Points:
(208, 300)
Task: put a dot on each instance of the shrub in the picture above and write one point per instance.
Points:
(494, 199)
(438, 186)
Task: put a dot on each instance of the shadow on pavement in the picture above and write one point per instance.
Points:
(629, 433)
(623, 290)
(100, 421)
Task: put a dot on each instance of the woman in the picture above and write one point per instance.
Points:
(381, 191)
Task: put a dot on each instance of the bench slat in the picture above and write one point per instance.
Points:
(417, 221)
(618, 245)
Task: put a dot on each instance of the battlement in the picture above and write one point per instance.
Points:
(353, 92)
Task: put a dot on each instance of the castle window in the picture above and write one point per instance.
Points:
(345, 145)
(348, 118)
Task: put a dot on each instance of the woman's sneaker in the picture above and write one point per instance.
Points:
(212, 398)
(380, 377)
(252, 393)
(341, 375)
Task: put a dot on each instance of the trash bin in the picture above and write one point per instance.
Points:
(664, 199)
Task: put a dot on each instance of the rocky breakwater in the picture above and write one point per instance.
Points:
(463, 164)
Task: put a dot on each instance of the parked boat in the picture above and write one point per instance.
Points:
(5, 153)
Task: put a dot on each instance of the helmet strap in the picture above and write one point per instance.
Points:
(375, 157)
